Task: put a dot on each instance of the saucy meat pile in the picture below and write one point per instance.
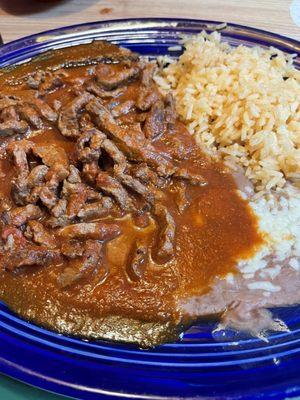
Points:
(110, 213)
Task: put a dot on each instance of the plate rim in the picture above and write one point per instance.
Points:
(8, 48)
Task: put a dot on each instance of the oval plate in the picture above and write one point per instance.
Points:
(205, 363)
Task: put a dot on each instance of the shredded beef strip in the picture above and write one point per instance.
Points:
(39, 235)
(30, 98)
(31, 256)
(98, 91)
(42, 182)
(20, 188)
(77, 201)
(44, 109)
(12, 127)
(165, 247)
(52, 81)
(170, 111)
(97, 209)
(106, 122)
(30, 115)
(136, 261)
(45, 81)
(113, 187)
(51, 155)
(74, 175)
(122, 108)
(145, 174)
(119, 159)
(148, 94)
(35, 79)
(72, 248)
(57, 222)
(12, 237)
(68, 118)
(37, 175)
(155, 121)
(19, 151)
(90, 230)
(18, 252)
(21, 215)
(192, 178)
(84, 266)
(181, 199)
(9, 113)
(131, 142)
(57, 161)
(111, 78)
(7, 102)
(10, 121)
(90, 171)
(69, 189)
(22, 113)
(89, 145)
(137, 186)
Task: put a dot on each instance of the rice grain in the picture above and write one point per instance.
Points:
(242, 104)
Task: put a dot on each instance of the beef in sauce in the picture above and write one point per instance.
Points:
(110, 213)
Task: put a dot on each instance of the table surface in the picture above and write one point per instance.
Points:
(23, 17)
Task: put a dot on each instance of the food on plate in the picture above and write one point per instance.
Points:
(115, 223)
(242, 106)
(241, 102)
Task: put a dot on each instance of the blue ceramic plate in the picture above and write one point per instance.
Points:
(203, 364)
